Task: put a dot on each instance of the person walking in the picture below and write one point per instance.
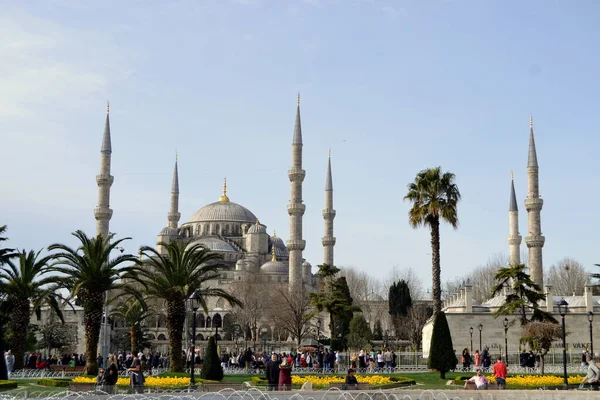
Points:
(137, 375)
(111, 375)
(500, 373)
(10, 362)
(477, 359)
(592, 376)
(272, 373)
(466, 359)
(285, 375)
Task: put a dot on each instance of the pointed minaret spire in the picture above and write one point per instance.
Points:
(174, 215)
(296, 209)
(532, 158)
(104, 180)
(328, 239)
(533, 205)
(298, 126)
(514, 239)
(224, 198)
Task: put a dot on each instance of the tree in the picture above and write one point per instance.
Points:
(211, 369)
(434, 196)
(568, 277)
(523, 295)
(360, 333)
(410, 276)
(184, 271)
(5, 253)
(377, 330)
(337, 301)
(90, 273)
(26, 290)
(292, 312)
(399, 302)
(441, 352)
(55, 334)
(540, 335)
(254, 303)
(418, 314)
(133, 312)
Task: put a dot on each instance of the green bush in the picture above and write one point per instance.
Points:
(6, 385)
(258, 380)
(212, 369)
(53, 382)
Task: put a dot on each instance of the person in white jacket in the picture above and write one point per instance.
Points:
(593, 373)
(10, 362)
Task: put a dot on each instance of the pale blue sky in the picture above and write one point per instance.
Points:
(392, 87)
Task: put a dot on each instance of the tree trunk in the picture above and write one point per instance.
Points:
(93, 302)
(435, 265)
(175, 321)
(20, 323)
(133, 333)
(442, 374)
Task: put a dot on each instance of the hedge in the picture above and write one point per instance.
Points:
(53, 382)
(6, 385)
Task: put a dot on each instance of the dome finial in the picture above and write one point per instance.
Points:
(274, 234)
(274, 258)
(224, 198)
(298, 98)
(176, 156)
(530, 121)
(107, 107)
(512, 175)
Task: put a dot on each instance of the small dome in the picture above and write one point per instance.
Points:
(213, 244)
(374, 297)
(280, 248)
(274, 267)
(168, 231)
(257, 228)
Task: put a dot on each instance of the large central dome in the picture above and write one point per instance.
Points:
(223, 211)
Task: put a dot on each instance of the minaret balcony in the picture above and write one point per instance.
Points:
(296, 208)
(328, 214)
(328, 241)
(174, 216)
(102, 213)
(104, 180)
(296, 244)
(533, 204)
(296, 174)
(514, 240)
(535, 241)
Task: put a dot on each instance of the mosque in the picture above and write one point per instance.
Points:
(467, 317)
(233, 231)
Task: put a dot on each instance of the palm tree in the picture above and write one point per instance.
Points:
(184, 271)
(25, 289)
(434, 196)
(5, 254)
(133, 311)
(90, 273)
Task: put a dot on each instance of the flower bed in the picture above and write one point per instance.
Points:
(529, 380)
(155, 381)
(324, 381)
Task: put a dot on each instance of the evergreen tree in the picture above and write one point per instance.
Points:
(441, 352)
(360, 333)
(399, 300)
(523, 295)
(377, 331)
(211, 369)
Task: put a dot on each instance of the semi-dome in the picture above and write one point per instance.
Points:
(168, 231)
(274, 267)
(257, 228)
(214, 244)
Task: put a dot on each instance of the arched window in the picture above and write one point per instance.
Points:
(199, 337)
(151, 337)
(200, 321)
(220, 303)
(162, 337)
(217, 320)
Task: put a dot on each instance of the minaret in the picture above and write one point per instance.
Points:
(296, 208)
(533, 205)
(102, 212)
(514, 239)
(174, 214)
(328, 239)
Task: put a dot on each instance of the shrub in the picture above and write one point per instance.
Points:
(53, 382)
(6, 385)
(212, 369)
(441, 352)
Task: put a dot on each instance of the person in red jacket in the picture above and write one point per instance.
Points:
(500, 373)
(285, 375)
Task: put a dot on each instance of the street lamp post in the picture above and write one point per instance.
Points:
(318, 334)
(385, 339)
(562, 310)
(480, 327)
(194, 305)
(471, 333)
(505, 322)
(590, 319)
